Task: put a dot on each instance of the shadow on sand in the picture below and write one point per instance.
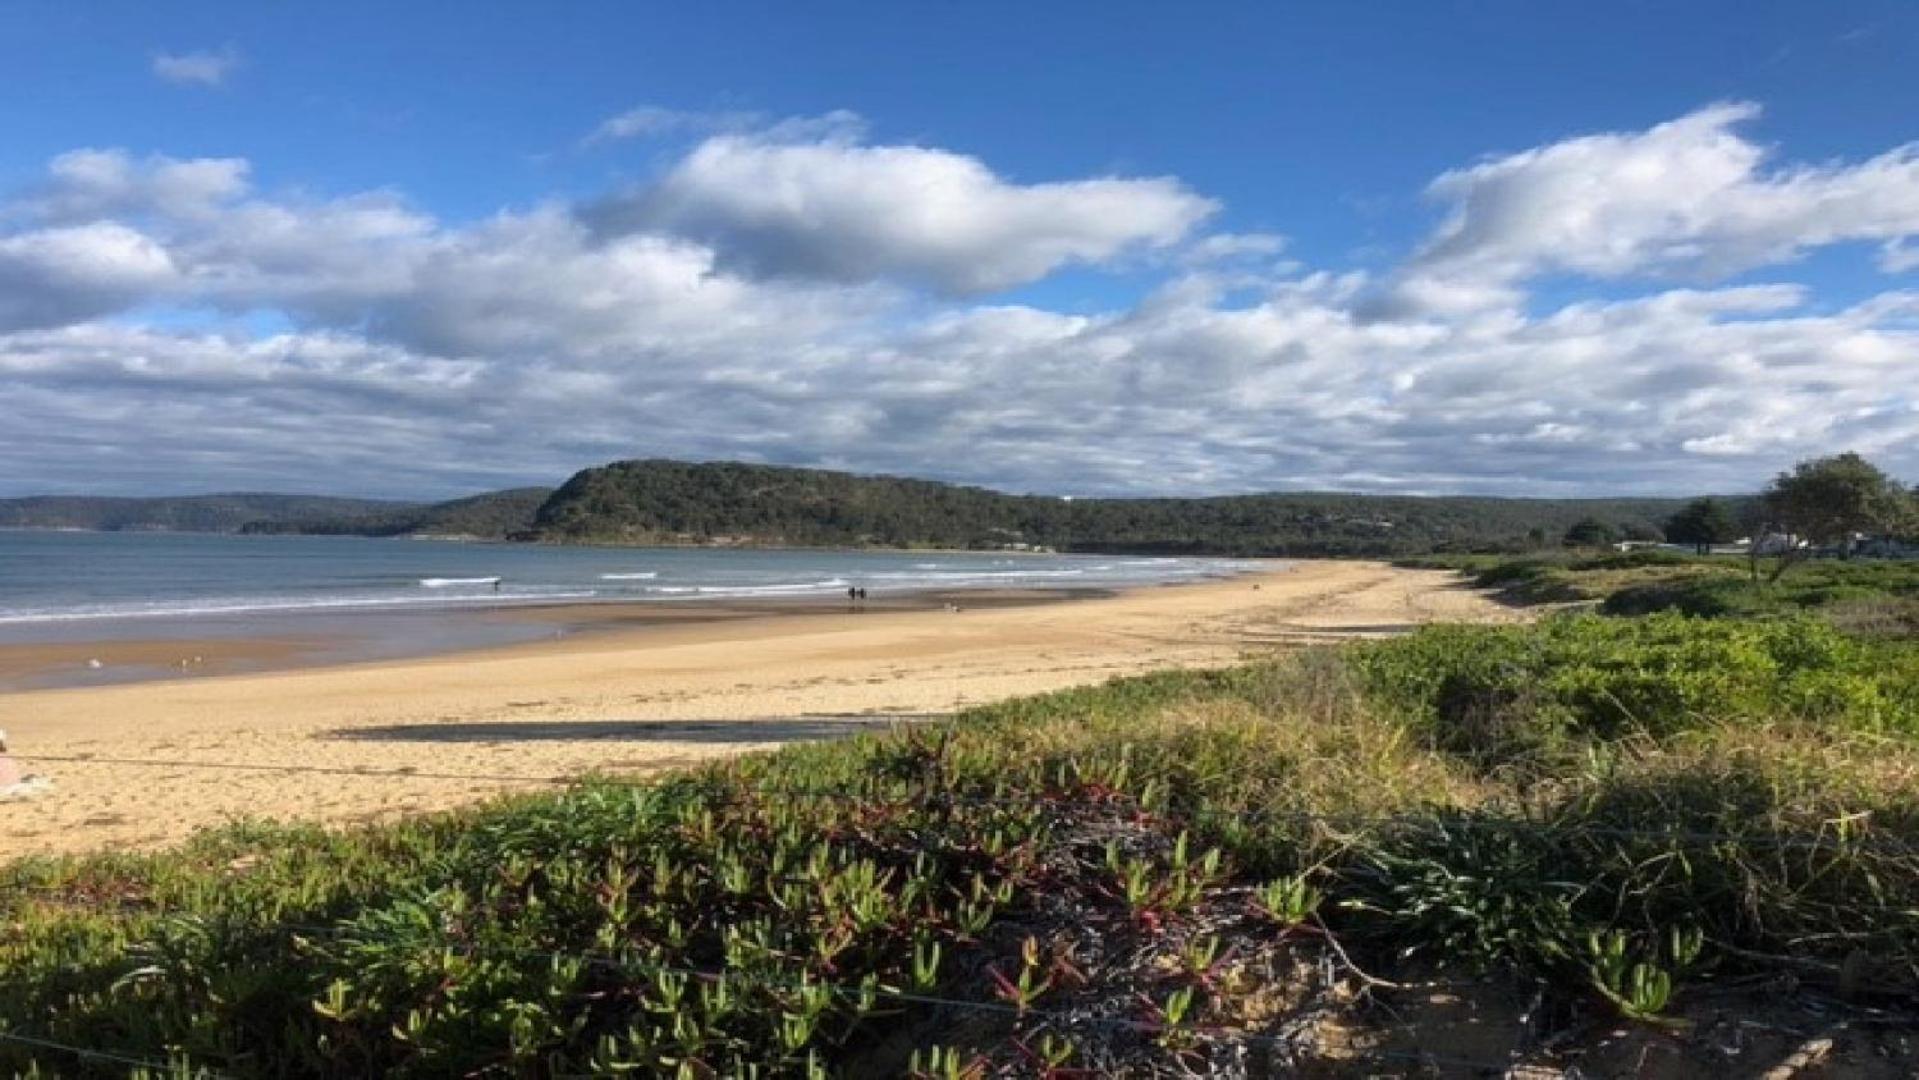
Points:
(770, 729)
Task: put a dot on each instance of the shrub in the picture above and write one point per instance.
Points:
(1603, 678)
(1080, 852)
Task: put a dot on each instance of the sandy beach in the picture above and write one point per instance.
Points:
(630, 692)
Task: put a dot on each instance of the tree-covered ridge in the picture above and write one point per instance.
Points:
(732, 503)
(492, 515)
(183, 513)
(661, 501)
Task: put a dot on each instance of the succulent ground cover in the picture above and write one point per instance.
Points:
(1247, 872)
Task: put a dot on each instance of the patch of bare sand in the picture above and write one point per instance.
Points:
(438, 732)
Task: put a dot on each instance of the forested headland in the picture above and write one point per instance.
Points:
(730, 503)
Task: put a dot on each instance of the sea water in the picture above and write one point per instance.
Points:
(48, 578)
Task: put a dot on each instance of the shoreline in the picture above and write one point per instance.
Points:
(372, 741)
(164, 649)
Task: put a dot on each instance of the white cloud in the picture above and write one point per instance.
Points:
(540, 282)
(758, 303)
(647, 121)
(201, 68)
(84, 185)
(1233, 247)
(837, 210)
(1689, 199)
(56, 276)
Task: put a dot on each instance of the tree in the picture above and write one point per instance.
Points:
(1589, 532)
(1703, 523)
(1827, 501)
(1640, 530)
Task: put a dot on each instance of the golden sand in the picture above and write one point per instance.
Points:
(629, 698)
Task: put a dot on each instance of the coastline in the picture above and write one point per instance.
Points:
(633, 695)
(130, 651)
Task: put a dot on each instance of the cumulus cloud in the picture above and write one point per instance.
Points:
(790, 297)
(84, 185)
(541, 282)
(1690, 199)
(52, 277)
(202, 68)
(838, 210)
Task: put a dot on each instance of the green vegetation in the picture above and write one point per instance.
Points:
(726, 503)
(1827, 501)
(1566, 577)
(1131, 877)
(1707, 782)
(1703, 523)
(1874, 598)
(1590, 532)
(1499, 691)
(186, 513)
(495, 515)
(730, 503)
(736, 504)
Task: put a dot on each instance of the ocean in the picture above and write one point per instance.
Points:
(82, 581)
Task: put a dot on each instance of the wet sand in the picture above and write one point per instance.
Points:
(108, 652)
(617, 689)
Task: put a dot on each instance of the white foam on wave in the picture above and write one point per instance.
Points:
(945, 576)
(451, 582)
(245, 606)
(750, 590)
(648, 575)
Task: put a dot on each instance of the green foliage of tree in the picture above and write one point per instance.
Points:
(1590, 532)
(185, 513)
(730, 503)
(493, 515)
(1829, 500)
(1703, 523)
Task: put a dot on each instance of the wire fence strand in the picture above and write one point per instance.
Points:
(111, 1057)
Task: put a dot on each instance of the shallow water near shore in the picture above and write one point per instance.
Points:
(79, 609)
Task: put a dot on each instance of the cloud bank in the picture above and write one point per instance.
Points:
(801, 294)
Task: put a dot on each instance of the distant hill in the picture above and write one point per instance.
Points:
(728, 503)
(494, 515)
(183, 513)
(734, 504)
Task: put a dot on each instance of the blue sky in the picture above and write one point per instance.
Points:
(395, 155)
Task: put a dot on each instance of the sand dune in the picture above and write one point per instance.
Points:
(437, 732)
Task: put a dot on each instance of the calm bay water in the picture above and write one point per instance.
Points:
(55, 579)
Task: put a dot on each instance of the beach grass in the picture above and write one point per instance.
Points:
(1201, 871)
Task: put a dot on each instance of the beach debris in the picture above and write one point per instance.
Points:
(14, 782)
